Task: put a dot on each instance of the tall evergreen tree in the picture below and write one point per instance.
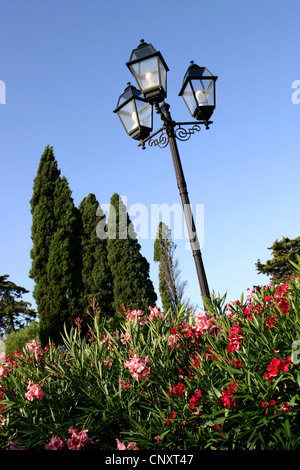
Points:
(278, 267)
(43, 225)
(63, 267)
(130, 269)
(14, 312)
(56, 252)
(96, 274)
(171, 288)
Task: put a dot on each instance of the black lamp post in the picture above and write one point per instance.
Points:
(135, 111)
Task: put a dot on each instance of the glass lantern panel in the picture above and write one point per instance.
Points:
(204, 92)
(128, 116)
(206, 73)
(141, 52)
(145, 113)
(146, 74)
(188, 96)
(126, 96)
(163, 75)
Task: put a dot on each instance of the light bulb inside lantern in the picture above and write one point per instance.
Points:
(201, 98)
(150, 78)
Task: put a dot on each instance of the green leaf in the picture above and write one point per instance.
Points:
(287, 428)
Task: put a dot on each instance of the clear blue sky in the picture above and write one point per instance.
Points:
(63, 63)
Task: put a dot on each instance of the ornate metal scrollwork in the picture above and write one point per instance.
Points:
(162, 141)
(184, 134)
(161, 137)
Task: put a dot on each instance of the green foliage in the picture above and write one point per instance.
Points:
(14, 312)
(96, 274)
(17, 340)
(63, 267)
(279, 267)
(56, 252)
(130, 269)
(43, 222)
(226, 379)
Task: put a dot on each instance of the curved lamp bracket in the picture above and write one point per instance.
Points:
(160, 137)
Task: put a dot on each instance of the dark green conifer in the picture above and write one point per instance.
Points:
(96, 274)
(43, 225)
(56, 251)
(63, 267)
(133, 287)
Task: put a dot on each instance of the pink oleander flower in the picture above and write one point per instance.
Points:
(282, 289)
(285, 406)
(108, 362)
(4, 369)
(55, 444)
(14, 446)
(137, 315)
(125, 338)
(172, 416)
(155, 313)
(284, 305)
(177, 390)
(130, 445)
(270, 321)
(226, 399)
(33, 346)
(78, 440)
(120, 445)
(125, 385)
(34, 391)
(174, 340)
(275, 366)
(107, 339)
(235, 338)
(138, 368)
(204, 323)
(194, 401)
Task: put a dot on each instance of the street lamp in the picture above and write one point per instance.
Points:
(135, 111)
(148, 67)
(198, 91)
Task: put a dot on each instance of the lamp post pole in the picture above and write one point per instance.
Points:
(165, 115)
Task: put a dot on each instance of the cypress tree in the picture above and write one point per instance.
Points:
(43, 225)
(96, 274)
(171, 288)
(132, 285)
(63, 267)
(56, 253)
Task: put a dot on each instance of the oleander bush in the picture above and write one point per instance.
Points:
(224, 379)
